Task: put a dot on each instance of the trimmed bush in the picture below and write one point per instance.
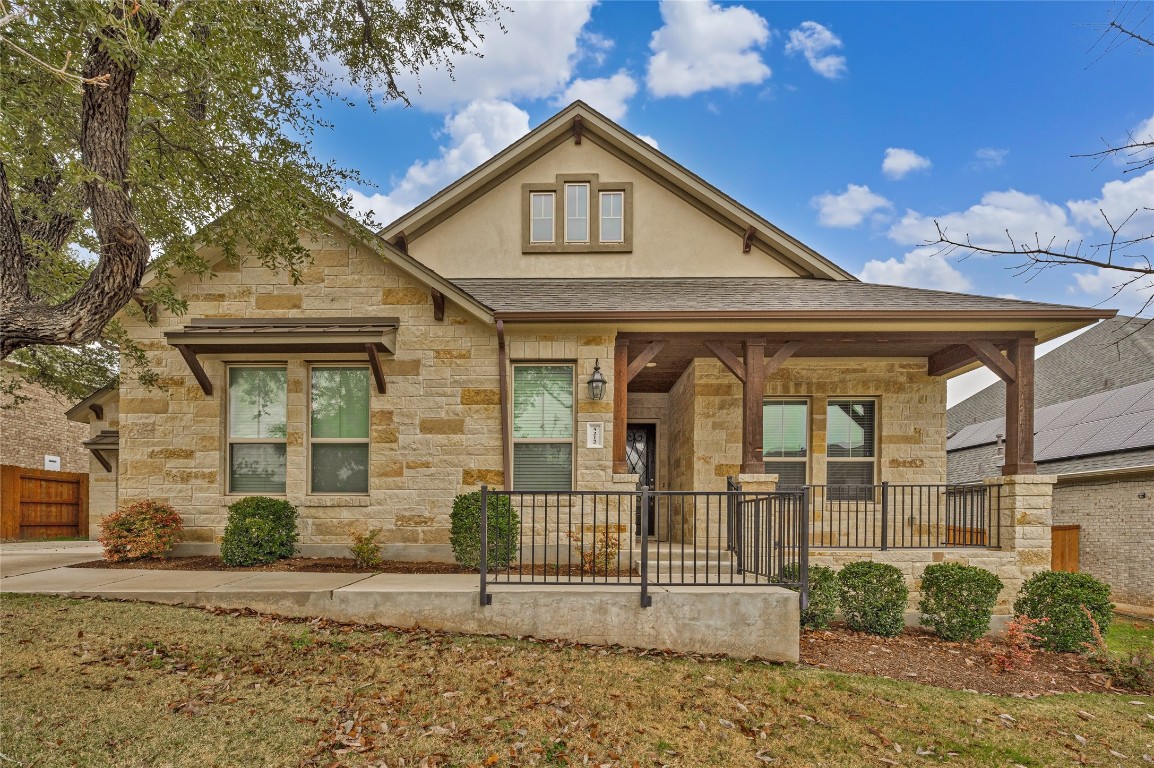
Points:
(365, 549)
(144, 529)
(259, 530)
(958, 600)
(873, 598)
(1059, 597)
(465, 530)
(823, 595)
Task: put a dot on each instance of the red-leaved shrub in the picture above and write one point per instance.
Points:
(144, 529)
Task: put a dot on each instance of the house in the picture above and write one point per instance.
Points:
(578, 313)
(34, 433)
(1094, 430)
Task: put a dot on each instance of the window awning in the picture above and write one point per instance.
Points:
(214, 336)
(107, 440)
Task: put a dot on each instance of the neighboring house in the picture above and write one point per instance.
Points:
(1095, 431)
(462, 346)
(35, 434)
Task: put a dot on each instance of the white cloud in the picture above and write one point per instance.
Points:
(988, 157)
(1119, 200)
(649, 140)
(704, 46)
(608, 95)
(815, 41)
(849, 208)
(917, 269)
(1106, 287)
(986, 224)
(533, 60)
(899, 162)
(475, 134)
(1143, 133)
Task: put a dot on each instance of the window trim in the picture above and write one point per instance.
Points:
(514, 440)
(309, 439)
(229, 440)
(594, 244)
(805, 461)
(873, 458)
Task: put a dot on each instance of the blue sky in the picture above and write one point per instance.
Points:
(851, 126)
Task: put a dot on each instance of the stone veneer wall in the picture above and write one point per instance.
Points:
(102, 484)
(653, 408)
(680, 447)
(1116, 542)
(37, 428)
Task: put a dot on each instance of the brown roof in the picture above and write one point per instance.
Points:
(761, 296)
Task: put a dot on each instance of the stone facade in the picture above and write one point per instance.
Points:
(1116, 540)
(37, 428)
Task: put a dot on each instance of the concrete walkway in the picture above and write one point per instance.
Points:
(743, 622)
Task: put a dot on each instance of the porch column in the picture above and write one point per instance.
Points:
(620, 403)
(1020, 410)
(752, 412)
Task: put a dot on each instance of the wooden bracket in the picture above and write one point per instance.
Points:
(401, 242)
(375, 364)
(747, 241)
(993, 359)
(578, 129)
(780, 356)
(949, 360)
(438, 304)
(197, 369)
(727, 358)
(97, 410)
(104, 462)
(147, 307)
(647, 354)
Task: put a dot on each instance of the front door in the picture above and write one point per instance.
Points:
(641, 456)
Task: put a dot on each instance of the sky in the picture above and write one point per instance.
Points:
(852, 126)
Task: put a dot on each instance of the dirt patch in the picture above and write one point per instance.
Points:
(918, 656)
(292, 564)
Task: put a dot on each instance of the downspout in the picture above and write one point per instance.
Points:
(502, 365)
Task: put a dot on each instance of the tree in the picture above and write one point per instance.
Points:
(1126, 252)
(134, 132)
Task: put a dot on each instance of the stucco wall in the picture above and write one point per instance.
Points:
(38, 427)
(1116, 541)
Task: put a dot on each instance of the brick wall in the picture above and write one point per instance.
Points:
(1116, 542)
(37, 428)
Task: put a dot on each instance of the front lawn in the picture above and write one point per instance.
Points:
(98, 683)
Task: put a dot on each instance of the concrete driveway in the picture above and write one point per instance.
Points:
(17, 558)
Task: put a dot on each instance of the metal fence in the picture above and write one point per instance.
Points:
(643, 538)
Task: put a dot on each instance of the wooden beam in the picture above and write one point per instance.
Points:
(747, 241)
(578, 129)
(647, 354)
(949, 360)
(993, 359)
(1020, 412)
(753, 394)
(620, 403)
(97, 410)
(503, 399)
(375, 364)
(197, 369)
(402, 242)
(831, 337)
(727, 358)
(438, 304)
(780, 356)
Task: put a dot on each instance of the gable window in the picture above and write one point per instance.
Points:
(576, 213)
(851, 437)
(785, 441)
(339, 429)
(612, 217)
(257, 414)
(543, 427)
(541, 217)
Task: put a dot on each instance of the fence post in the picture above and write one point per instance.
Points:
(803, 547)
(885, 516)
(757, 536)
(486, 598)
(646, 600)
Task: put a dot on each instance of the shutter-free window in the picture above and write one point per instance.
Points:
(257, 418)
(612, 217)
(851, 441)
(339, 429)
(785, 441)
(541, 206)
(577, 213)
(543, 427)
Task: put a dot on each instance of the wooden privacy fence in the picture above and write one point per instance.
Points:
(42, 504)
(1064, 541)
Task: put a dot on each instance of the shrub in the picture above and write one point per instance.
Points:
(1130, 671)
(365, 549)
(144, 529)
(1059, 597)
(958, 600)
(823, 595)
(1016, 650)
(465, 530)
(873, 598)
(259, 530)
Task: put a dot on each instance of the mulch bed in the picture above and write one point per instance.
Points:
(920, 656)
(297, 564)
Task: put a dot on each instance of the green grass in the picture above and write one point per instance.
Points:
(99, 683)
(1130, 636)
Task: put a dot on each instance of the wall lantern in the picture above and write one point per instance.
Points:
(597, 382)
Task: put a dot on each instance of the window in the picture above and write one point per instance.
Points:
(612, 217)
(542, 427)
(257, 408)
(785, 441)
(339, 429)
(851, 431)
(541, 217)
(576, 213)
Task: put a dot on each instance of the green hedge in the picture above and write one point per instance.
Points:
(259, 530)
(823, 595)
(465, 530)
(873, 598)
(1058, 596)
(958, 600)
